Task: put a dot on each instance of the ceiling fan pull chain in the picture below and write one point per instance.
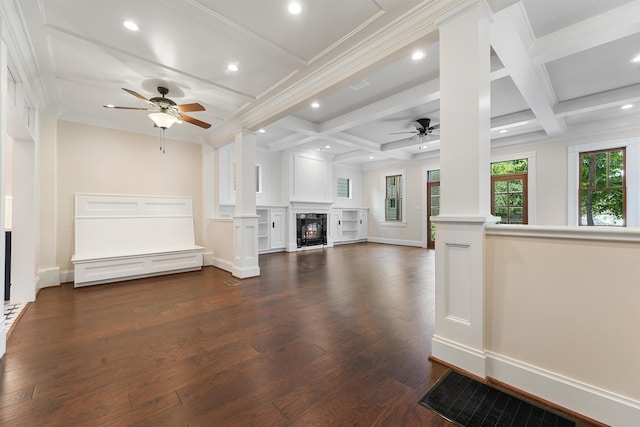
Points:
(162, 146)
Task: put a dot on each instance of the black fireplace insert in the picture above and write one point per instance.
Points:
(311, 229)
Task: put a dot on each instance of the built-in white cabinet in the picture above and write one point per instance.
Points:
(272, 230)
(348, 225)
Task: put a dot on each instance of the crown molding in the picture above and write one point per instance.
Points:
(413, 25)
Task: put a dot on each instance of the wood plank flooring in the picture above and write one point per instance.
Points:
(331, 337)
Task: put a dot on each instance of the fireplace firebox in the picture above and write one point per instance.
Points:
(311, 229)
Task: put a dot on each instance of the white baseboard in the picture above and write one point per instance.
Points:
(399, 242)
(585, 399)
(461, 356)
(244, 272)
(66, 276)
(221, 264)
(48, 277)
(207, 259)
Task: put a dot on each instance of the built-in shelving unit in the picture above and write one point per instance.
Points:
(271, 229)
(349, 225)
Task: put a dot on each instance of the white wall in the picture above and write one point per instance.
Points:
(106, 161)
(46, 194)
(354, 174)
(271, 165)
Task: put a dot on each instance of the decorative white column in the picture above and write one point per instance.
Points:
(245, 219)
(465, 189)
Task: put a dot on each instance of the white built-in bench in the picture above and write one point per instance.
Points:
(126, 237)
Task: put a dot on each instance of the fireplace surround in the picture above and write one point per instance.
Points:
(311, 229)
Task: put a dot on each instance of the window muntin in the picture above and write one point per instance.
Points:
(602, 188)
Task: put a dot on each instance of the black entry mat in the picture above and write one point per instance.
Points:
(470, 403)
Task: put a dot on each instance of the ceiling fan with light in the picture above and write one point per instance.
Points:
(164, 112)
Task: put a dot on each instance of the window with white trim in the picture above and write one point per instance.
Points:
(620, 180)
(343, 188)
(394, 201)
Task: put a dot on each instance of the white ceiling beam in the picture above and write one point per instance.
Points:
(297, 124)
(598, 101)
(604, 28)
(507, 121)
(417, 95)
(511, 38)
(351, 155)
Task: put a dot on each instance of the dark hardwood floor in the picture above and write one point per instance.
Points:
(331, 337)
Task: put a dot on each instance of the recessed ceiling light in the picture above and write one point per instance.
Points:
(417, 55)
(503, 131)
(626, 106)
(318, 148)
(327, 146)
(371, 157)
(295, 8)
(233, 67)
(130, 25)
(315, 105)
(261, 130)
(636, 59)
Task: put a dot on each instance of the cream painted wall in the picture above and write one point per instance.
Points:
(373, 194)
(106, 161)
(46, 193)
(571, 307)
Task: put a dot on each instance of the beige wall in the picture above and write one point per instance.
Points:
(571, 307)
(106, 161)
(373, 194)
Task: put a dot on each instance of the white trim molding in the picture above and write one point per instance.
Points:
(585, 399)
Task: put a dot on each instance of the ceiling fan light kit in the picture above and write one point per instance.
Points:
(163, 120)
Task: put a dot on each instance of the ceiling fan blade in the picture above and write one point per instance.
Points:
(185, 108)
(136, 94)
(125, 108)
(435, 127)
(398, 133)
(196, 122)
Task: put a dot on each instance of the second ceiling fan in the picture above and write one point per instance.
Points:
(423, 128)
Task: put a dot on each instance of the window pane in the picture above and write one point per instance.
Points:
(601, 170)
(616, 168)
(393, 199)
(500, 200)
(515, 199)
(500, 186)
(342, 189)
(602, 188)
(515, 186)
(433, 175)
(510, 167)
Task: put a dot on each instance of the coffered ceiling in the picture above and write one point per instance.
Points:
(559, 68)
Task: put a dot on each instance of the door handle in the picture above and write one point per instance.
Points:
(273, 224)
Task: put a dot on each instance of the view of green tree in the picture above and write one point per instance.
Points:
(509, 167)
(602, 187)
